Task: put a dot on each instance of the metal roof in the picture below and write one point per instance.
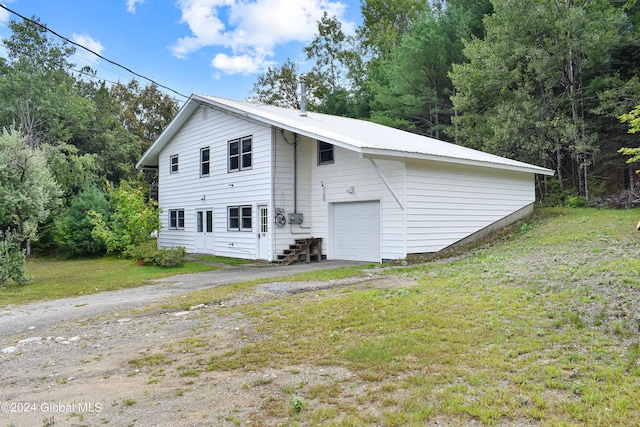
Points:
(367, 138)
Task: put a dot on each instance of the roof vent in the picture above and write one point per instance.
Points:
(303, 95)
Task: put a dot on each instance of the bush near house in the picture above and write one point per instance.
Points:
(150, 254)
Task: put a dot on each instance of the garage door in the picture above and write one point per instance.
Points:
(356, 231)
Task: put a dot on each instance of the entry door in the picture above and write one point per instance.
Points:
(204, 231)
(263, 235)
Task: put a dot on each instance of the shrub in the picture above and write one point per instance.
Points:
(73, 230)
(150, 255)
(12, 260)
(133, 220)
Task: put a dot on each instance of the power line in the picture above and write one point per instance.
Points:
(44, 27)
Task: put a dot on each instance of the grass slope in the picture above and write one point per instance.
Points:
(538, 329)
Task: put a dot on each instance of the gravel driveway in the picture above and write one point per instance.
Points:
(17, 319)
(68, 362)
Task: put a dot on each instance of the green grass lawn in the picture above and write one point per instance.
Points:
(540, 328)
(58, 279)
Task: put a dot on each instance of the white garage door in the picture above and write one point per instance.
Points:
(356, 231)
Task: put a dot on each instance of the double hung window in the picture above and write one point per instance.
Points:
(240, 218)
(240, 154)
(173, 164)
(204, 161)
(176, 219)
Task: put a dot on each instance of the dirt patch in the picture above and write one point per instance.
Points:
(137, 368)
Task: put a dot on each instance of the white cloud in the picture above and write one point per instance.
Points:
(249, 29)
(87, 41)
(240, 64)
(131, 5)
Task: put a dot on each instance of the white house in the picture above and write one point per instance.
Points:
(243, 180)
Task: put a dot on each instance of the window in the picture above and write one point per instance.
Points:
(240, 154)
(325, 153)
(173, 164)
(204, 161)
(239, 218)
(176, 219)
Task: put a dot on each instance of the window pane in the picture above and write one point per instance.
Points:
(233, 163)
(246, 218)
(172, 219)
(204, 170)
(205, 155)
(325, 152)
(234, 224)
(233, 148)
(234, 218)
(209, 221)
(246, 161)
(199, 221)
(246, 145)
(180, 219)
(264, 220)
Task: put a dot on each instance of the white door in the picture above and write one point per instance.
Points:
(204, 231)
(263, 235)
(356, 231)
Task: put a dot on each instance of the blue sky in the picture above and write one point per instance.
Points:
(211, 47)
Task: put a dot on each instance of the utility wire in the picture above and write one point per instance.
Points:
(44, 27)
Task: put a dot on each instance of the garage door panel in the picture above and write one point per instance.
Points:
(356, 227)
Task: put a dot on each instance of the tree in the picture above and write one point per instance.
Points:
(145, 111)
(385, 22)
(333, 76)
(28, 191)
(413, 90)
(73, 229)
(106, 138)
(12, 260)
(524, 92)
(279, 86)
(133, 217)
(39, 95)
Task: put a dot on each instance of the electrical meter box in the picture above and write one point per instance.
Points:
(296, 218)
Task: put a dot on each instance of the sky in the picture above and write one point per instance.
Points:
(208, 47)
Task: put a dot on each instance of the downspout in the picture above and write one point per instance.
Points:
(295, 173)
(303, 113)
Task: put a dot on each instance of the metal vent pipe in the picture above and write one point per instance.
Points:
(303, 95)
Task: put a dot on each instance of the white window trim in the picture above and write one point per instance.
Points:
(333, 154)
(172, 164)
(240, 154)
(177, 225)
(208, 162)
(240, 218)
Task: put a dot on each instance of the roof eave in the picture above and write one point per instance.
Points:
(369, 152)
(150, 157)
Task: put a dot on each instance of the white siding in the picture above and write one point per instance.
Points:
(447, 202)
(186, 189)
(329, 184)
(283, 188)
